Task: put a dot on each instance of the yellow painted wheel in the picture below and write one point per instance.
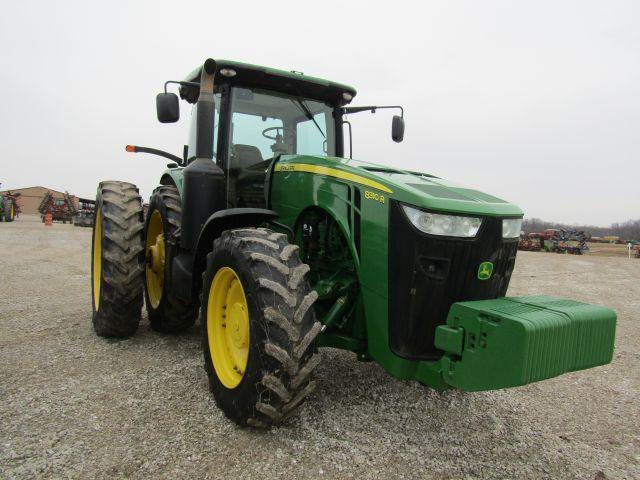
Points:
(167, 312)
(155, 255)
(97, 259)
(228, 327)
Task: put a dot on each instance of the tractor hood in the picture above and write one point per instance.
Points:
(414, 188)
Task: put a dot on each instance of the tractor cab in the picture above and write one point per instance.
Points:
(262, 114)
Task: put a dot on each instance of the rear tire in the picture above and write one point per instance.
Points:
(280, 352)
(168, 313)
(117, 264)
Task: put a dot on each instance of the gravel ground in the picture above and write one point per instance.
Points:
(75, 405)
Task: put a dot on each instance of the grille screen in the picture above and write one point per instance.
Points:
(427, 274)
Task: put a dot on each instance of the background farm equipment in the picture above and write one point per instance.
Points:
(531, 242)
(84, 217)
(61, 209)
(565, 241)
(9, 207)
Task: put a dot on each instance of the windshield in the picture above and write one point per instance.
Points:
(265, 124)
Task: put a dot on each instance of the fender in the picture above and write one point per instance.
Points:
(231, 218)
(173, 176)
(188, 266)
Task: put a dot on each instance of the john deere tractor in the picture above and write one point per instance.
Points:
(9, 207)
(281, 243)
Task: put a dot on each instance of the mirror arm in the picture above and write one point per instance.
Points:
(153, 151)
(371, 108)
(181, 83)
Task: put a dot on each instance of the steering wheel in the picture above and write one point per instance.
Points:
(278, 134)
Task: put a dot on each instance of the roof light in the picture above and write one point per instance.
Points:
(347, 96)
(228, 72)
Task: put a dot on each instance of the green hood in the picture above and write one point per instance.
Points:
(419, 189)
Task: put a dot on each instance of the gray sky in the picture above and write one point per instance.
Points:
(537, 102)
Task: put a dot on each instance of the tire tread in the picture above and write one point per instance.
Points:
(122, 264)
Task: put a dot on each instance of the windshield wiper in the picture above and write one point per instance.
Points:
(307, 113)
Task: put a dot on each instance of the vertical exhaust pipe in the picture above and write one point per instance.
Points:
(204, 185)
(206, 111)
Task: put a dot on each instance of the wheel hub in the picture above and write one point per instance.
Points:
(155, 258)
(237, 326)
(228, 327)
(156, 255)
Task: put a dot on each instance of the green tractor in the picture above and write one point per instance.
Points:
(7, 208)
(280, 243)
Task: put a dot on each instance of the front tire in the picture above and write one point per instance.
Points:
(258, 327)
(167, 312)
(117, 261)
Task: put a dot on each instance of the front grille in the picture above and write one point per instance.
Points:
(428, 273)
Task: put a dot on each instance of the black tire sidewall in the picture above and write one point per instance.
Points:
(118, 314)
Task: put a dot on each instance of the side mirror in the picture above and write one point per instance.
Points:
(397, 128)
(167, 105)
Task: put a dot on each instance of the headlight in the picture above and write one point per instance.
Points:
(446, 225)
(511, 227)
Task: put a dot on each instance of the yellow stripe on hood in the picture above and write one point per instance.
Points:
(331, 172)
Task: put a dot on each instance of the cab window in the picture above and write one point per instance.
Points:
(311, 136)
(267, 124)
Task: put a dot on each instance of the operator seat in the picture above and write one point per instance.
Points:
(246, 185)
(246, 156)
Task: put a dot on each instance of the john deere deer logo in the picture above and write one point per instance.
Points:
(485, 270)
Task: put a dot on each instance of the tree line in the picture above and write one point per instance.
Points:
(629, 230)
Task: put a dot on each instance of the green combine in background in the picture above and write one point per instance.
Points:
(281, 243)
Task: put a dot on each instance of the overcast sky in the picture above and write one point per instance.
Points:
(537, 102)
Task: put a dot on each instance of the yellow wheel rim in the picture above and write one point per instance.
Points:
(228, 327)
(155, 254)
(97, 259)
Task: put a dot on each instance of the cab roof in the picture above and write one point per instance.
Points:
(294, 83)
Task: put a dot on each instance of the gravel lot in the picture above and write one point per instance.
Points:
(75, 405)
